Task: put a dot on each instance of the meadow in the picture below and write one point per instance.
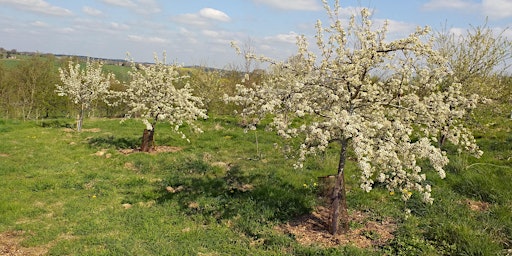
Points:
(229, 192)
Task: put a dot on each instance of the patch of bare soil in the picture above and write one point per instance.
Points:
(4, 155)
(103, 153)
(83, 130)
(313, 229)
(156, 150)
(10, 245)
(130, 166)
(92, 130)
(477, 206)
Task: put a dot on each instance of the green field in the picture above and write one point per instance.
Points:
(229, 193)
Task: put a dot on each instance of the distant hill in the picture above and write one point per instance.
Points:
(13, 54)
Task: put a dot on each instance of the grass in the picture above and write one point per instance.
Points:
(9, 63)
(231, 191)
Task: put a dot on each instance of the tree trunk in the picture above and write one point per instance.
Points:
(339, 211)
(441, 141)
(80, 119)
(147, 140)
(79, 122)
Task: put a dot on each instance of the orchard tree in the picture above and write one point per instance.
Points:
(390, 123)
(210, 85)
(158, 92)
(84, 85)
(480, 58)
(476, 55)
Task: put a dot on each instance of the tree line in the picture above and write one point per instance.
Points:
(28, 86)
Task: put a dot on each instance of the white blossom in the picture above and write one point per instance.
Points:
(158, 92)
(390, 122)
(84, 85)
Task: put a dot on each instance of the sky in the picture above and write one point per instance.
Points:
(200, 32)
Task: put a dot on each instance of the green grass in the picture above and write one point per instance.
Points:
(121, 72)
(67, 198)
(9, 63)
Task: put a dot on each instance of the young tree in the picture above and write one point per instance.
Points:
(389, 123)
(480, 58)
(158, 92)
(476, 55)
(27, 88)
(39, 77)
(83, 86)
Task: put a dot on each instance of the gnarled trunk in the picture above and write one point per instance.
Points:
(339, 212)
(147, 140)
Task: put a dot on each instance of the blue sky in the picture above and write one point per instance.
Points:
(199, 32)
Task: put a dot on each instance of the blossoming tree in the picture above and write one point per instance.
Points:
(158, 92)
(83, 85)
(385, 101)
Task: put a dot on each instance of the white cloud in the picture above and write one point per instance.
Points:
(351, 11)
(65, 30)
(91, 11)
(220, 37)
(155, 39)
(9, 30)
(142, 39)
(497, 31)
(497, 9)
(121, 3)
(119, 26)
(191, 19)
(398, 28)
(39, 24)
(266, 47)
(203, 18)
(139, 6)
(290, 38)
(99, 28)
(189, 36)
(39, 6)
(494, 9)
(298, 5)
(452, 4)
(148, 6)
(213, 14)
(210, 33)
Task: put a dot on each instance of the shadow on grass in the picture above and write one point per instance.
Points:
(248, 202)
(112, 141)
(57, 123)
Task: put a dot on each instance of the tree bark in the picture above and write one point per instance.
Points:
(339, 213)
(442, 140)
(147, 140)
(80, 119)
